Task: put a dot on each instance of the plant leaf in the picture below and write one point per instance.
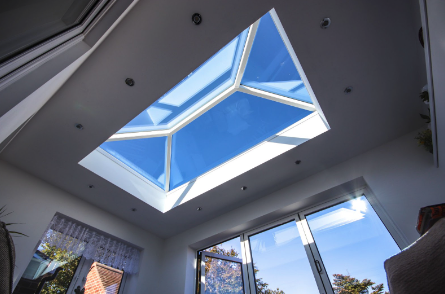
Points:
(425, 96)
(2, 209)
(6, 214)
(14, 232)
(426, 117)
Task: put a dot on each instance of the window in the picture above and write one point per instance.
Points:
(198, 88)
(220, 269)
(72, 254)
(351, 240)
(216, 123)
(103, 279)
(35, 22)
(50, 271)
(29, 29)
(317, 250)
(279, 261)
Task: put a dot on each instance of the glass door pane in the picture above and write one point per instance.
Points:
(280, 262)
(221, 274)
(221, 268)
(353, 244)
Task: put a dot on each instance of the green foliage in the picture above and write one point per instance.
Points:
(424, 96)
(425, 139)
(62, 282)
(427, 118)
(262, 288)
(223, 277)
(348, 285)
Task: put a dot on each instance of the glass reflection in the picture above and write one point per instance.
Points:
(280, 262)
(205, 83)
(353, 243)
(145, 156)
(234, 125)
(270, 66)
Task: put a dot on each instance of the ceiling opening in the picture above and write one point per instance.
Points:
(247, 104)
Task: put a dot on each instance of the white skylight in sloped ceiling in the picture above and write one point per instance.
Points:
(223, 119)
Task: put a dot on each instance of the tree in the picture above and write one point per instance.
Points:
(262, 287)
(224, 277)
(62, 282)
(348, 285)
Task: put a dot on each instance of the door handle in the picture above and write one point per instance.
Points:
(318, 265)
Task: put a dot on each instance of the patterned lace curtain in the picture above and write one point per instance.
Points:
(77, 238)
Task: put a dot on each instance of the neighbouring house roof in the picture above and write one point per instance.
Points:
(103, 279)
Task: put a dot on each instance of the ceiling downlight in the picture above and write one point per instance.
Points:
(197, 18)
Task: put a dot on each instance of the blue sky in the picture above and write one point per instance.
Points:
(358, 246)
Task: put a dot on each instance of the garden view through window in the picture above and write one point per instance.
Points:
(51, 271)
(351, 245)
(73, 258)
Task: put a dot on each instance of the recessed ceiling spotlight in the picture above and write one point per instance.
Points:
(91, 186)
(298, 162)
(129, 82)
(196, 18)
(79, 126)
(348, 90)
(325, 23)
(243, 188)
(199, 208)
(133, 209)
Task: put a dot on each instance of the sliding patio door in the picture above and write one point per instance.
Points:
(325, 249)
(278, 261)
(351, 242)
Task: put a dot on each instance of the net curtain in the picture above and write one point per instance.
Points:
(75, 237)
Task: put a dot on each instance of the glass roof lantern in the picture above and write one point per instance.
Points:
(245, 94)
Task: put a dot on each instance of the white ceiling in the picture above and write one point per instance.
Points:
(371, 45)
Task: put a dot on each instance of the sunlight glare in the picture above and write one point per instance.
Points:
(359, 205)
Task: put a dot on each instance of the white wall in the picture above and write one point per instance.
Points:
(436, 23)
(401, 175)
(34, 202)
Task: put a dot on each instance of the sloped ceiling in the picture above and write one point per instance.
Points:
(371, 45)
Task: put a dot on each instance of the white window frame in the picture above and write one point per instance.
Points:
(57, 41)
(227, 258)
(111, 169)
(245, 240)
(310, 242)
(313, 255)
